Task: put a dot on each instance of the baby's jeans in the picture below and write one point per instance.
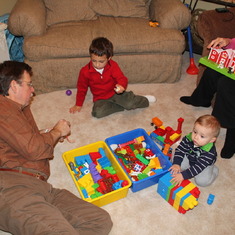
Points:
(206, 177)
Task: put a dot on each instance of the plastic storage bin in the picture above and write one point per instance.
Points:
(108, 197)
(129, 136)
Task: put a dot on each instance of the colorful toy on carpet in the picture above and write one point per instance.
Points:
(95, 175)
(182, 197)
(137, 158)
(166, 137)
(140, 157)
(210, 199)
(68, 92)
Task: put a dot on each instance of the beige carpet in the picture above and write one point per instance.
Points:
(144, 212)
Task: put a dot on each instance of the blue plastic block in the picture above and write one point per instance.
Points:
(102, 152)
(117, 185)
(210, 199)
(184, 197)
(84, 192)
(80, 160)
(176, 191)
(104, 162)
(84, 170)
(157, 171)
(164, 184)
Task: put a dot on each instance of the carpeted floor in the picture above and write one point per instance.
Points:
(144, 212)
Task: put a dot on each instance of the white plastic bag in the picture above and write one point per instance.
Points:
(4, 52)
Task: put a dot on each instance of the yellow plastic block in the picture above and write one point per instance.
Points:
(174, 136)
(182, 193)
(155, 163)
(140, 139)
(151, 163)
(98, 167)
(85, 180)
(190, 202)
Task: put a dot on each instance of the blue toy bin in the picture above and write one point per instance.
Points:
(129, 136)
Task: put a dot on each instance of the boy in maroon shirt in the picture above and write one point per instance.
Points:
(106, 82)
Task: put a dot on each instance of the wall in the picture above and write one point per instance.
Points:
(6, 6)
(203, 5)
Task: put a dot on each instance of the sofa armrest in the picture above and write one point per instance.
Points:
(211, 24)
(171, 14)
(27, 18)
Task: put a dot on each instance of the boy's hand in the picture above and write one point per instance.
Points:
(119, 89)
(177, 179)
(174, 169)
(75, 109)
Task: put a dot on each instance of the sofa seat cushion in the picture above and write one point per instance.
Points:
(73, 39)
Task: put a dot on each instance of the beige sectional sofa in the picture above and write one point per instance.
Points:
(57, 35)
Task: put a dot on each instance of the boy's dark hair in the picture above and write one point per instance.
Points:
(9, 71)
(101, 46)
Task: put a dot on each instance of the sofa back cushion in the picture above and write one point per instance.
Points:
(122, 8)
(60, 11)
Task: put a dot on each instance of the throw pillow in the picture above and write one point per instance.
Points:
(122, 8)
(60, 11)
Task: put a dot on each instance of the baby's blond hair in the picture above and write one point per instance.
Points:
(211, 122)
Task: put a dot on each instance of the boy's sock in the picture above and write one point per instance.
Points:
(150, 98)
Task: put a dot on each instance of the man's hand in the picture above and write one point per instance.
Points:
(61, 130)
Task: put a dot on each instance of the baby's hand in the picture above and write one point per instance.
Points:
(119, 89)
(75, 109)
(175, 169)
(177, 179)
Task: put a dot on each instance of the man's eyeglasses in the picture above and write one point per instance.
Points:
(30, 84)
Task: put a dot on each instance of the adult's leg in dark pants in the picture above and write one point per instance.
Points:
(224, 110)
(229, 146)
(204, 92)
